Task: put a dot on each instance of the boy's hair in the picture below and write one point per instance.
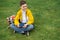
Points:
(22, 2)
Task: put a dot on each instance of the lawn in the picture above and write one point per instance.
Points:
(47, 19)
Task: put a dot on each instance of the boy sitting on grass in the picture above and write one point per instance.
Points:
(24, 20)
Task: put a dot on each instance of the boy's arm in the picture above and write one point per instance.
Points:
(30, 18)
(16, 21)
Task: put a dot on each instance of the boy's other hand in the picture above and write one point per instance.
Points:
(25, 25)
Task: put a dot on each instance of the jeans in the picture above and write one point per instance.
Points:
(21, 30)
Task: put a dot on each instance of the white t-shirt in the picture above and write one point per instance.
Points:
(24, 17)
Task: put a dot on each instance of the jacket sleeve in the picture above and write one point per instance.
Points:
(16, 21)
(30, 18)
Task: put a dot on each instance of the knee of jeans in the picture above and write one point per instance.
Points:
(11, 25)
(31, 26)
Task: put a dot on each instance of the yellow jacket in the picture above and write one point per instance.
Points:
(19, 16)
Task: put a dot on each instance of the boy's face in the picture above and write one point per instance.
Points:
(24, 7)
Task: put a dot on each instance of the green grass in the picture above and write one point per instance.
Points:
(47, 19)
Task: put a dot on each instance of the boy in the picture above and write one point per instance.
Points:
(24, 20)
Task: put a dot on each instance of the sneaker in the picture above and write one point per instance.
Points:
(27, 33)
(14, 31)
(8, 27)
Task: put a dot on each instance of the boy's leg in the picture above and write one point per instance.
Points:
(20, 30)
(29, 27)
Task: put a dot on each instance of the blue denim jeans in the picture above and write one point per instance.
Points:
(21, 30)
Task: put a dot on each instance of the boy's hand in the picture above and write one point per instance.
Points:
(25, 25)
(18, 25)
